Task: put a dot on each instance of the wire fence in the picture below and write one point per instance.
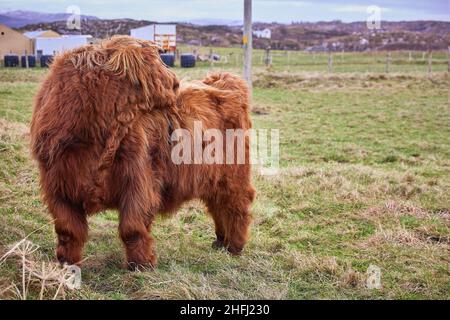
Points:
(322, 62)
(330, 62)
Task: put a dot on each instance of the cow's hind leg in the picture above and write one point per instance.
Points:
(136, 217)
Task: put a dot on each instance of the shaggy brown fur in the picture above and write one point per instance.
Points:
(100, 132)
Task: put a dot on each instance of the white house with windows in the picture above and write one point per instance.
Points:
(264, 33)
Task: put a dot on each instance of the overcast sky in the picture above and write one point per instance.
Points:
(264, 10)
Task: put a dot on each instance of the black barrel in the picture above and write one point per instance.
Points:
(46, 60)
(31, 61)
(11, 60)
(168, 59)
(187, 60)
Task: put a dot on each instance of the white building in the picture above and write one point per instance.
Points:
(165, 35)
(265, 33)
(51, 46)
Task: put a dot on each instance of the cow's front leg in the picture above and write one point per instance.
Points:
(71, 230)
(134, 230)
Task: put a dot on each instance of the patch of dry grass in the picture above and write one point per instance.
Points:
(350, 81)
(37, 274)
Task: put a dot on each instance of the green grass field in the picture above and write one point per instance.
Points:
(364, 180)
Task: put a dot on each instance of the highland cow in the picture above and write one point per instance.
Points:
(101, 134)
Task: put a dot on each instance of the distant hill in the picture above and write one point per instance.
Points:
(13, 22)
(337, 36)
(20, 18)
(311, 36)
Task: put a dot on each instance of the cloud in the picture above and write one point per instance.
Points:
(263, 10)
(357, 9)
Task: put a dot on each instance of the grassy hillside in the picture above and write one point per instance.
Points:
(364, 179)
(333, 35)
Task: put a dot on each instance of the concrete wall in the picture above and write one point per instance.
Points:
(49, 46)
(146, 33)
(165, 35)
(166, 29)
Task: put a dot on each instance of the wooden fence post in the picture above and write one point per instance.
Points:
(430, 61)
(267, 60)
(388, 62)
(448, 58)
(26, 60)
(330, 62)
(211, 60)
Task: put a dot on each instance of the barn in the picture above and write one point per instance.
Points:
(165, 35)
(33, 35)
(13, 42)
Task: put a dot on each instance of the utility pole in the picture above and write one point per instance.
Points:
(247, 42)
